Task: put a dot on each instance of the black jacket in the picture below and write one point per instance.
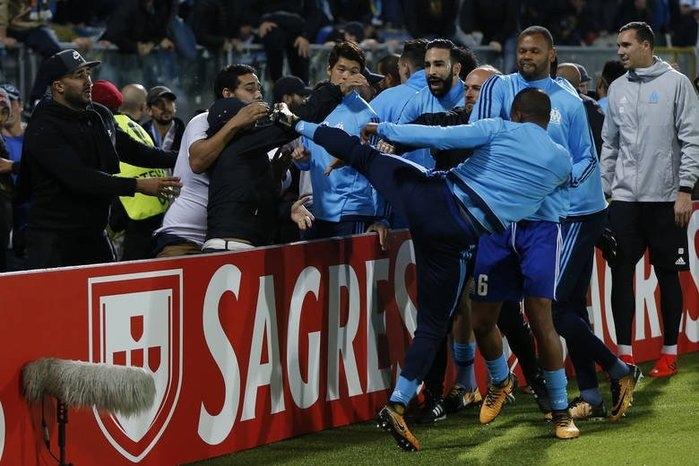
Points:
(595, 117)
(214, 21)
(243, 195)
(132, 22)
(424, 18)
(68, 162)
(179, 131)
(304, 10)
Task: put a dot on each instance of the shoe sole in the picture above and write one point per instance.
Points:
(627, 398)
(402, 442)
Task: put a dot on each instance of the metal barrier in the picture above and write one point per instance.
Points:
(194, 78)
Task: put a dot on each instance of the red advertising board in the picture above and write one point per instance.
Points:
(245, 348)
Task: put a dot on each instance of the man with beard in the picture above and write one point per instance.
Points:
(68, 167)
(443, 92)
(539, 259)
(165, 129)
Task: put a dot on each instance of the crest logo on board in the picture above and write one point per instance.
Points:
(136, 320)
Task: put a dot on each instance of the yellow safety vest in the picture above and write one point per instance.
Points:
(139, 206)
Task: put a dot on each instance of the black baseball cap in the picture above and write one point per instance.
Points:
(62, 64)
(289, 85)
(157, 92)
(584, 77)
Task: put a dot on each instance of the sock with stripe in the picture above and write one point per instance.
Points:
(556, 386)
(404, 391)
(498, 369)
(464, 356)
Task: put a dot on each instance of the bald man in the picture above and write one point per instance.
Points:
(473, 83)
(134, 101)
(595, 115)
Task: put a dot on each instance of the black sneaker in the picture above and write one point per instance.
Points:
(460, 398)
(541, 395)
(582, 410)
(429, 411)
(622, 392)
(392, 421)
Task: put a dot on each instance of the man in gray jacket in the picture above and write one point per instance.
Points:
(650, 162)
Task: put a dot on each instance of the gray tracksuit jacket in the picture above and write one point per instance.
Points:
(651, 135)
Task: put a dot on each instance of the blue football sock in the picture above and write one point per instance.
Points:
(618, 370)
(404, 391)
(498, 369)
(464, 357)
(556, 386)
(592, 396)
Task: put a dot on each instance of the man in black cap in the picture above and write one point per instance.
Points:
(164, 127)
(68, 167)
(290, 90)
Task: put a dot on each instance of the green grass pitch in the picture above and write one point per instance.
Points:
(661, 428)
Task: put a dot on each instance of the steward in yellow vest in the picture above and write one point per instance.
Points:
(140, 206)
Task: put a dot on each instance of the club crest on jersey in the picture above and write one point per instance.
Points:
(555, 117)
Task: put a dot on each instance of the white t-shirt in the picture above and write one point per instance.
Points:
(186, 217)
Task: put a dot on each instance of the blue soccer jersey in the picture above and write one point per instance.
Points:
(511, 171)
(344, 192)
(389, 104)
(568, 126)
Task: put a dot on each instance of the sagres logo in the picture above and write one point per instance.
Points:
(136, 320)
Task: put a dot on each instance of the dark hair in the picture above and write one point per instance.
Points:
(534, 103)
(440, 44)
(348, 51)
(643, 32)
(466, 58)
(414, 52)
(612, 70)
(388, 65)
(540, 30)
(228, 78)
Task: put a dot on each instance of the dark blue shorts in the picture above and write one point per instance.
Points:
(522, 261)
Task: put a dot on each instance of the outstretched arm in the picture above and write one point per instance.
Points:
(437, 137)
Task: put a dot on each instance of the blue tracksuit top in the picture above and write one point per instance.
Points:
(514, 166)
(425, 102)
(389, 104)
(344, 192)
(568, 126)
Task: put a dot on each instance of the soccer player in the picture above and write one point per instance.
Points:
(344, 202)
(548, 261)
(515, 165)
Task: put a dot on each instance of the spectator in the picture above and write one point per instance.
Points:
(610, 72)
(13, 135)
(140, 215)
(134, 101)
(431, 18)
(216, 23)
(164, 127)
(684, 24)
(650, 163)
(584, 79)
(6, 185)
(244, 193)
(285, 26)
(496, 21)
(595, 115)
(345, 11)
(291, 91)
(139, 26)
(388, 67)
(69, 183)
(634, 10)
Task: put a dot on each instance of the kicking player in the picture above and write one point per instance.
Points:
(535, 246)
(515, 165)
